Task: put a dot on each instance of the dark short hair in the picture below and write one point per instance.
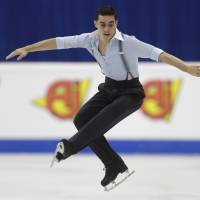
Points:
(106, 10)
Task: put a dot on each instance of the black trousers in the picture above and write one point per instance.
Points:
(114, 101)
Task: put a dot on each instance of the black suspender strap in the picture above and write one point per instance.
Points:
(125, 63)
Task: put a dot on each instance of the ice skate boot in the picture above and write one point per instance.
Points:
(63, 151)
(112, 171)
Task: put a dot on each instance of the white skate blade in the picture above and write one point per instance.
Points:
(53, 160)
(114, 184)
(59, 148)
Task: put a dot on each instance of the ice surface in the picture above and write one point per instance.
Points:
(29, 177)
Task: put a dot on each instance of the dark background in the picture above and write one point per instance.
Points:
(173, 25)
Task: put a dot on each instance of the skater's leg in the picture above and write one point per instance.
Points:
(104, 151)
(99, 146)
(112, 161)
(90, 109)
(114, 165)
(104, 120)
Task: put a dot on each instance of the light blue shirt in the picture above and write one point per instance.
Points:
(111, 64)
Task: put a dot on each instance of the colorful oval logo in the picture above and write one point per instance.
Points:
(160, 98)
(64, 98)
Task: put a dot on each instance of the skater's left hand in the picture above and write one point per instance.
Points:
(194, 70)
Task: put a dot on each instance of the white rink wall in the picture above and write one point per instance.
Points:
(39, 100)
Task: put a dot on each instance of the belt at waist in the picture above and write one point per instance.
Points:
(122, 83)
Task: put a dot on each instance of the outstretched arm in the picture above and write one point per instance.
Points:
(178, 63)
(44, 45)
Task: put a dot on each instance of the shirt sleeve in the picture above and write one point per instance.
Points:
(144, 50)
(76, 41)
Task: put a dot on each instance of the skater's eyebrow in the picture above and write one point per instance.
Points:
(110, 22)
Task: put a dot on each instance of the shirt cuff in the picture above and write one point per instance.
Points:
(60, 43)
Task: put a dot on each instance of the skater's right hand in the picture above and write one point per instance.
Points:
(20, 53)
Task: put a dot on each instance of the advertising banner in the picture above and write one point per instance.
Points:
(39, 100)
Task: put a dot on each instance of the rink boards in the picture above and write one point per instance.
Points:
(39, 100)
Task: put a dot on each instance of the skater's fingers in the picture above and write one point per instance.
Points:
(11, 55)
(21, 53)
(21, 56)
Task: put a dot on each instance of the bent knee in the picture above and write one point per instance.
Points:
(80, 119)
(77, 121)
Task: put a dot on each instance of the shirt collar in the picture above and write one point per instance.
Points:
(118, 35)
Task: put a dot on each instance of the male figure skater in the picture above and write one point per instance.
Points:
(120, 95)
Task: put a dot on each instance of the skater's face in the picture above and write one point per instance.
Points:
(106, 26)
